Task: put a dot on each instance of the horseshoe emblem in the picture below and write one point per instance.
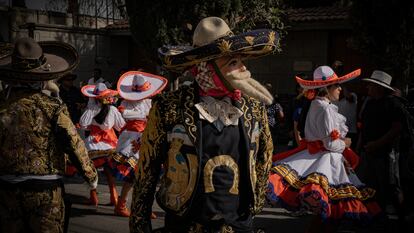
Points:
(221, 160)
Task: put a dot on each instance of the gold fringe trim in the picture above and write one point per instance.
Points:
(132, 161)
(95, 154)
(348, 191)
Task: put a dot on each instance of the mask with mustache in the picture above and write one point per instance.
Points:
(213, 83)
(243, 81)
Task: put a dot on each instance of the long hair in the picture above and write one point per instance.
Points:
(302, 117)
(101, 116)
(323, 91)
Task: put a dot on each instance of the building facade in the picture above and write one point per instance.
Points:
(84, 28)
(316, 36)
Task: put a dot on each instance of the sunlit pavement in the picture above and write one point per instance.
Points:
(88, 219)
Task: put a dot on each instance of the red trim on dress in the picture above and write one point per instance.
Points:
(135, 125)
(100, 135)
(335, 210)
(314, 147)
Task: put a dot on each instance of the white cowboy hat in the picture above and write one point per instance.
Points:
(324, 76)
(137, 85)
(381, 78)
(97, 91)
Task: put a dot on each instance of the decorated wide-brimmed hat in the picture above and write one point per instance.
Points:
(137, 85)
(212, 39)
(31, 61)
(380, 78)
(97, 91)
(324, 76)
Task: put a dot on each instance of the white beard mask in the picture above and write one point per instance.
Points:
(248, 86)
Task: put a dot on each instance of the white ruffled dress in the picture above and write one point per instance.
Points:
(113, 120)
(123, 163)
(134, 111)
(321, 181)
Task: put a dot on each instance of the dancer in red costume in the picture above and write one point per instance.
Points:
(318, 176)
(101, 118)
(135, 88)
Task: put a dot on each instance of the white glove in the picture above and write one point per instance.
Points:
(94, 184)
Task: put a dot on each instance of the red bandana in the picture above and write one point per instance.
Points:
(210, 83)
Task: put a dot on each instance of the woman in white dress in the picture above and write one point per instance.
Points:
(101, 118)
(135, 88)
(318, 176)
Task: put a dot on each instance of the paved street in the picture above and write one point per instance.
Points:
(88, 219)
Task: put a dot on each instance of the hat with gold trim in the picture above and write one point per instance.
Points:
(212, 39)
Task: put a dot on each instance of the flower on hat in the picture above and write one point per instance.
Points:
(309, 94)
(140, 83)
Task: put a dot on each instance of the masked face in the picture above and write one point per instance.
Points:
(237, 75)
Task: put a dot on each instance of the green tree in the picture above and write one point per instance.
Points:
(383, 30)
(156, 23)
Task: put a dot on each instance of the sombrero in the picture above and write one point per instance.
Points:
(31, 61)
(97, 91)
(137, 85)
(213, 39)
(380, 78)
(324, 76)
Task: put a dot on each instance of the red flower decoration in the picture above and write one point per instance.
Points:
(335, 135)
(121, 109)
(310, 94)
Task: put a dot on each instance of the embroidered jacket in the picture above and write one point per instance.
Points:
(172, 132)
(35, 132)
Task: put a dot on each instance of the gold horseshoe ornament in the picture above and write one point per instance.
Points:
(213, 163)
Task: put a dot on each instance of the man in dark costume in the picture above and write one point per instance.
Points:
(212, 137)
(35, 133)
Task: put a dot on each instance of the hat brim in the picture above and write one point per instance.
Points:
(311, 84)
(252, 44)
(124, 85)
(88, 92)
(379, 83)
(61, 57)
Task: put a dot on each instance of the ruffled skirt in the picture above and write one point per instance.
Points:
(323, 184)
(99, 159)
(122, 167)
(123, 163)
